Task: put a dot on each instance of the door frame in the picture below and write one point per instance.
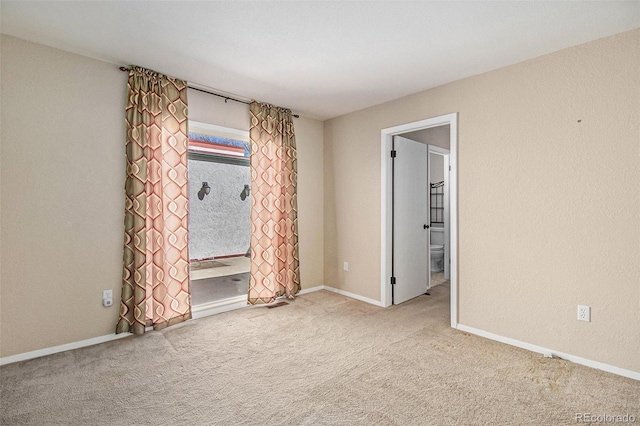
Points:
(386, 206)
(445, 153)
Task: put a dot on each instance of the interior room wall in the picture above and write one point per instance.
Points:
(62, 175)
(533, 138)
(436, 168)
(62, 195)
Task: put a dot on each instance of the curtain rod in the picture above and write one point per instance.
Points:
(226, 98)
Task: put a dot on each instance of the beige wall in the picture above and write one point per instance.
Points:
(533, 138)
(62, 196)
(520, 146)
(62, 174)
(436, 169)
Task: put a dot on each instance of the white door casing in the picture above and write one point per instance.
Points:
(447, 248)
(386, 205)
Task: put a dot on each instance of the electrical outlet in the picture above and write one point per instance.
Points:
(107, 298)
(584, 313)
(345, 266)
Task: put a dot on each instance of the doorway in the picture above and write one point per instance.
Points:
(440, 244)
(389, 283)
(219, 215)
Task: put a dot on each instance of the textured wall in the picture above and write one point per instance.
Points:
(220, 223)
(62, 202)
(62, 195)
(436, 170)
(549, 150)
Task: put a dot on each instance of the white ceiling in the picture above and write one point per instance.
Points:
(322, 59)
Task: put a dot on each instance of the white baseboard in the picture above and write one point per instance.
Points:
(197, 312)
(310, 290)
(235, 303)
(61, 348)
(354, 296)
(539, 349)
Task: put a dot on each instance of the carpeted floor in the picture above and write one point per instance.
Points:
(437, 278)
(323, 359)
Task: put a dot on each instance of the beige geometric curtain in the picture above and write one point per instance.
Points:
(155, 287)
(275, 266)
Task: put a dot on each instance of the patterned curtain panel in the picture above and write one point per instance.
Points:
(275, 266)
(155, 287)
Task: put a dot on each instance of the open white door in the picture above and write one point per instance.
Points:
(410, 219)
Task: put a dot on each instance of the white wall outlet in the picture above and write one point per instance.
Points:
(345, 266)
(107, 298)
(584, 313)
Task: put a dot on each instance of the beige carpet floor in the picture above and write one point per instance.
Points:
(437, 278)
(323, 359)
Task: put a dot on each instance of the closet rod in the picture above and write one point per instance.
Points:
(225, 97)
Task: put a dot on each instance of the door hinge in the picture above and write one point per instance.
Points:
(393, 280)
(393, 154)
(449, 168)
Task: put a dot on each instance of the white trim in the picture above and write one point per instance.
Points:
(438, 150)
(310, 290)
(213, 151)
(447, 221)
(62, 348)
(447, 228)
(219, 306)
(199, 311)
(354, 296)
(385, 206)
(453, 216)
(219, 129)
(385, 219)
(233, 303)
(550, 352)
(428, 218)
